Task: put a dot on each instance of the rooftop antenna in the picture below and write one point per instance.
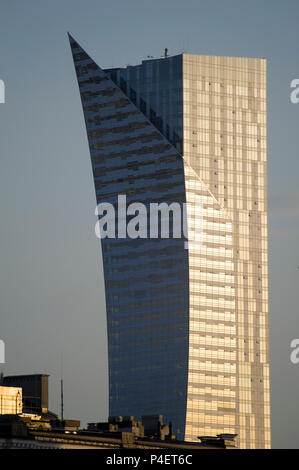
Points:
(61, 385)
(61, 389)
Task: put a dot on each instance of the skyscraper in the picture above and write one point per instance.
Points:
(187, 322)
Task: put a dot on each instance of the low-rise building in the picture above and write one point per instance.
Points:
(23, 431)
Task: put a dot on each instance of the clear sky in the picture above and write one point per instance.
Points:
(51, 282)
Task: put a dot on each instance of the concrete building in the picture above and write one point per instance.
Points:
(187, 321)
(35, 390)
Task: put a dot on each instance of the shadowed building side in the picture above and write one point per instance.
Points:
(146, 280)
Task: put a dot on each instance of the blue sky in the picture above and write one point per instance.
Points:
(51, 281)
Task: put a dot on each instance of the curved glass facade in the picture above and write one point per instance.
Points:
(146, 280)
(187, 321)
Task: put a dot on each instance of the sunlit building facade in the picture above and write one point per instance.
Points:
(10, 400)
(187, 321)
